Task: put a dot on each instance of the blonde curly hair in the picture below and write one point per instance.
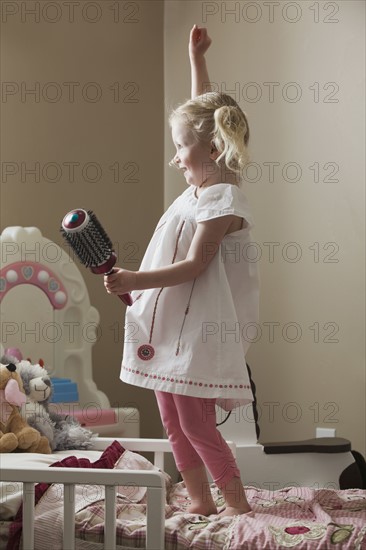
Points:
(217, 118)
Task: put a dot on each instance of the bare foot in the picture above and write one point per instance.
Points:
(232, 511)
(198, 488)
(202, 508)
(235, 498)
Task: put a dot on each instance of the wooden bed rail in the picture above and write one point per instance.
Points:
(69, 477)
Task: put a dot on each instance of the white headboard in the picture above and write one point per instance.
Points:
(45, 309)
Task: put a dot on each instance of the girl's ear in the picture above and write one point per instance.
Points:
(214, 152)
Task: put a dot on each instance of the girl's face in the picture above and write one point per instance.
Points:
(194, 158)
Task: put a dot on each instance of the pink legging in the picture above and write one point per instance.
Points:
(190, 423)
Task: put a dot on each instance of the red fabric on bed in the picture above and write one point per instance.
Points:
(107, 461)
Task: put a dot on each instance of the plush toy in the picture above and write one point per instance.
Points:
(37, 388)
(15, 432)
(62, 431)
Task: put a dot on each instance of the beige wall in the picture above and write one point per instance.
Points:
(124, 47)
(302, 384)
(318, 301)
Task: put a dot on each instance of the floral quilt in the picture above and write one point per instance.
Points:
(293, 517)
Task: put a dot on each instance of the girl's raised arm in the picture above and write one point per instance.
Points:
(199, 42)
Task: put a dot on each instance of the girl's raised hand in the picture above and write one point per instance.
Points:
(199, 41)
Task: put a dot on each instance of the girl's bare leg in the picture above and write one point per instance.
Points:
(234, 495)
(198, 488)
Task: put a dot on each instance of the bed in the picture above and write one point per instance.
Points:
(111, 496)
(140, 507)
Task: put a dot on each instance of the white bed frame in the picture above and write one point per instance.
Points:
(69, 477)
(153, 480)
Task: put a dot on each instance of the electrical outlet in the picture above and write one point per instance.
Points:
(325, 432)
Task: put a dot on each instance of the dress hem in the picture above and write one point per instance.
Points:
(194, 389)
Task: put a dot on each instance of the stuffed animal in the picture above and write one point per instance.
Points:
(62, 431)
(37, 388)
(15, 432)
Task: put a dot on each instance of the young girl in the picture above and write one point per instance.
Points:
(196, 291)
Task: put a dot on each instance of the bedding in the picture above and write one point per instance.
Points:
(293, 517)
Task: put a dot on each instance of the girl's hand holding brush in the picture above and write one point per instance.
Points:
(120, 281)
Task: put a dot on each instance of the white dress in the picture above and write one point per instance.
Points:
(191, 338)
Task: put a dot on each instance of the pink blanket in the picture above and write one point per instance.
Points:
(302, 518)
(299, 518)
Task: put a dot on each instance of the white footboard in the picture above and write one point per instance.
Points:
(69, 477)
(154, 481)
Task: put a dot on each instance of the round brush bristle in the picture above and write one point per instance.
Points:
(86, 236)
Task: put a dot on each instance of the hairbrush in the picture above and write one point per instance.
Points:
(86, 236)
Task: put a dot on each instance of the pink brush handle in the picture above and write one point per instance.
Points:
(107, 269)
(126, 298)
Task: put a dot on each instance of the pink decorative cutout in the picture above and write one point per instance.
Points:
(20, 273)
